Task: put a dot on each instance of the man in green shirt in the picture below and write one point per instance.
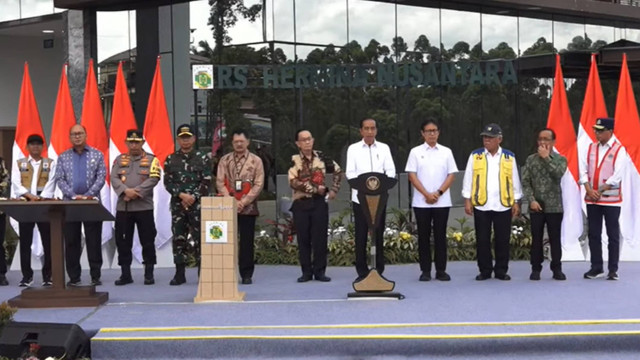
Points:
(541, 178)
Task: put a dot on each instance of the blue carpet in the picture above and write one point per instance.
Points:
(457, 319)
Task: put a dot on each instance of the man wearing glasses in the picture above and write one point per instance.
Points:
(431, 168)
(541, 178)
(310, 208)
(80, 174)
(601, 170)
(491, 189)
(33, 181)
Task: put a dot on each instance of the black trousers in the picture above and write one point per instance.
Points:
(126, 221)
(3, 255)
(611, 214)
(26, 239)
(554, 229)
(436, 219)
(73, 248)
(311, 218)
(246, 228)
(361, 229)
(501, 223)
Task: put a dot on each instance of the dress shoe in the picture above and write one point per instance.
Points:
(304, 278)
(177, 280)
(442, 276)
(425, 276)
(97, 282)
(481, 277)
(559, 275)
(535, 275)
(503, 277)
(3, 279)
(323, 278)
(123, 281)
(150, 281)
(247, 281)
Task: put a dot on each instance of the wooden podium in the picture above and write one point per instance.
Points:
(56, 212)
(218, 251)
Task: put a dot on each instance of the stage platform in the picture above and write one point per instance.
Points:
(280, 318)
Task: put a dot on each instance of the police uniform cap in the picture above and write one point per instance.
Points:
(35, 139)
(184, 130)
(134, 135)
(604, 124)
(491, 130)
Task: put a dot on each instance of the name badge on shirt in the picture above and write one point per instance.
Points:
(238, 185)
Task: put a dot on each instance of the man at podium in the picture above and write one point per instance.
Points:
(368, 155)
(80, 175)
(33, 181)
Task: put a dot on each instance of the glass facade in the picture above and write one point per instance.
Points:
(368, 32)
(22, 9)
(349, 32)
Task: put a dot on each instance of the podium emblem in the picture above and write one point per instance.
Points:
(373, 183)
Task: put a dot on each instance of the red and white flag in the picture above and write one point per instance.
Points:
(63, 119)
(593, 107)
(93, 122)
(27, 123)
(560, 121)
(159, 141)
(627, 130)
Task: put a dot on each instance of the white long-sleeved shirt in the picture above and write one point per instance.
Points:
(362, 158)
(17, 189)
(493, 182)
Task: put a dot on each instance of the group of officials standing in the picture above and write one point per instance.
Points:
(492, 190)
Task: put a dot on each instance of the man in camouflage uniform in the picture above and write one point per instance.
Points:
(310, 208)
(133, 177)
(4, 187)
(187, 178)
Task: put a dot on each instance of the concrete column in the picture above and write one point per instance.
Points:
(164, 31)
(79, 45)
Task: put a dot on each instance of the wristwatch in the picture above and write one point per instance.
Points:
(440, 192)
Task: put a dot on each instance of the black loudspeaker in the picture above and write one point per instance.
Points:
(66, 341)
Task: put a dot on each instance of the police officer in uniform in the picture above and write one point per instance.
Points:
(33, 181)
(187, 178)
(133, 177)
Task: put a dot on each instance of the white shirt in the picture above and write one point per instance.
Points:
(618, 166)
(493, 182)
(18, 190)
(431, 165)
(362, 158)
